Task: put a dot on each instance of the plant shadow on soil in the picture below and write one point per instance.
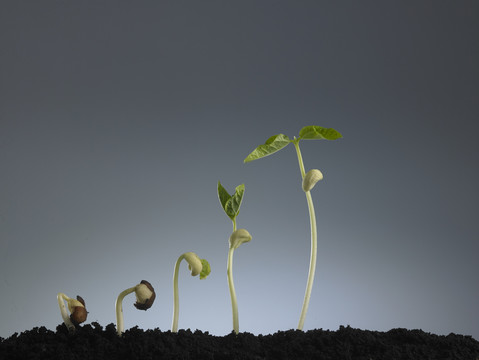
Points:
(92, 341)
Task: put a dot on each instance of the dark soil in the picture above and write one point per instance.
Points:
(94, 342)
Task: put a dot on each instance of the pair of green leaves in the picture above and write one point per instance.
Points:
(231, 203)
(277, 142)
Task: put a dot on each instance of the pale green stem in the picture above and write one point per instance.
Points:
(314, 243)
(176, 298)
(120, 326)
(300, 158)
(234, 303)
(61, 297)
(231, 285)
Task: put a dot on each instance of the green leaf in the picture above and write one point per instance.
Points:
(205, 270)
(231, 203)
(273, 144)
(318, 132)
(223, 196)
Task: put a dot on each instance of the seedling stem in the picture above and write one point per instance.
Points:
(120, 325)
(231, 285)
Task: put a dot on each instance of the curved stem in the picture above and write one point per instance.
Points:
(120, 326)
(314, 243)
(234, 303)
(176, 299)
(61, 297)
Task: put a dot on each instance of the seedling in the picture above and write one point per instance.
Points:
(231, 205)
(145, 296)
(309, 179)
(197, 266)
(78, 313)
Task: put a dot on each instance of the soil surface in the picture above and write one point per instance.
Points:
(92, 341)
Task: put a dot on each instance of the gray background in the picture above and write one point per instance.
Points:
(118, 118)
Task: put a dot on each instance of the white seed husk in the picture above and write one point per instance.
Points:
(194, 263)
(238, 237)
(142, 293)
(311, 178)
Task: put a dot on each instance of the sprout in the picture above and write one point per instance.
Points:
(78, 313)
(145, 296)
(276, 143)
(231, 206)
(196, 266)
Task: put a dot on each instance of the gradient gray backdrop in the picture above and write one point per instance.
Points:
(118, 118)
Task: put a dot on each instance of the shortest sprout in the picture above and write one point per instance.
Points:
(78, 313)
(145, 296)
(311, 178)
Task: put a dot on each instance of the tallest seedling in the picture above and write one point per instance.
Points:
(277, 142)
